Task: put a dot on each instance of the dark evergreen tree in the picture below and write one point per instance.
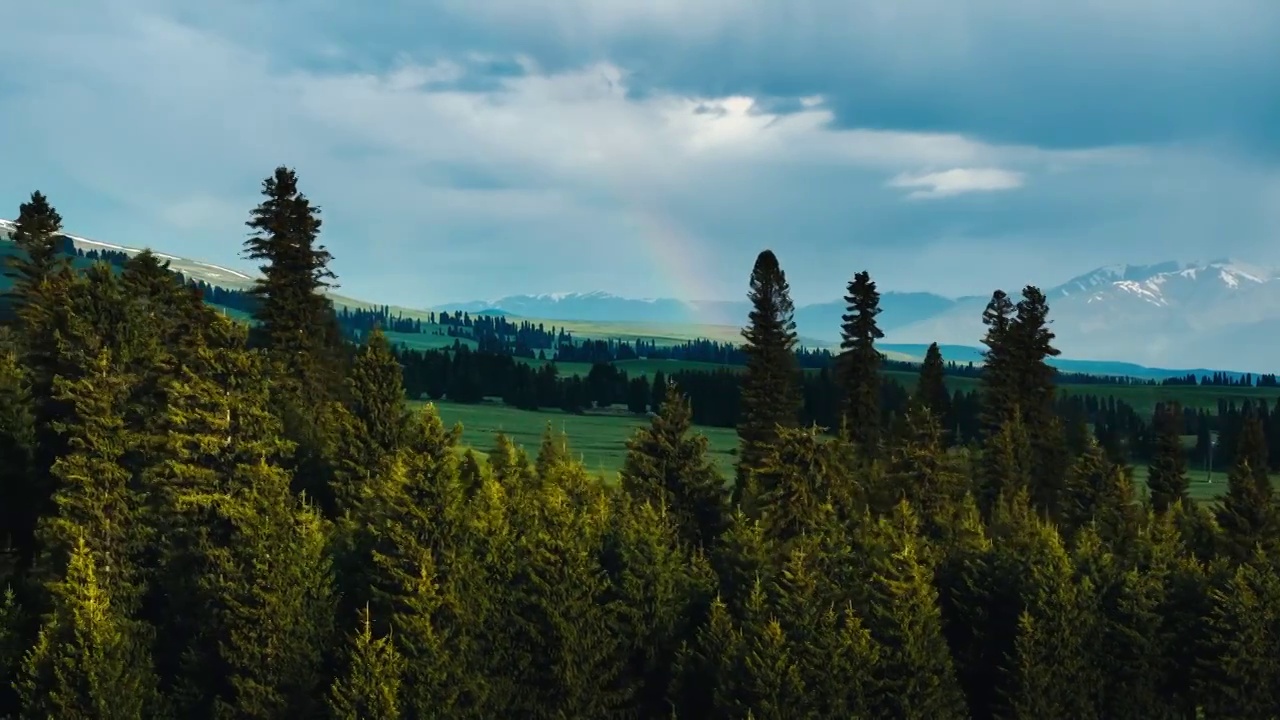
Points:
(931, 388)
(295, 271)
(1167, 473)
(860, 363)
(999, 379)
(918, 678)
(770, 392)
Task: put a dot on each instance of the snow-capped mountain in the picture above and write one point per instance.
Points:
(1211, 314)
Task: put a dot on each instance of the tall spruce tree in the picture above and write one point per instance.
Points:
(667, 465)
(40, 276)
(95, 498)
(999, 380)
(1167, 471)
(296, 324)
(1032, 347)
(770, 395)
(860, 363)
(295, 269)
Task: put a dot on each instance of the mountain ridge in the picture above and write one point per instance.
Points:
(1220, 313)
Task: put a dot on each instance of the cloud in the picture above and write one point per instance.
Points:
(480, 149)
(957, 181)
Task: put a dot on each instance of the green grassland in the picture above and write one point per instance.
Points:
(599, 439)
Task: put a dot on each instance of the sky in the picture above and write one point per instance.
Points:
(471, 149)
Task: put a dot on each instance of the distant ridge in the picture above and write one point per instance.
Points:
(1215, 314)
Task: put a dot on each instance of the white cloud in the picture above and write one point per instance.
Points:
(957, 181)
(422, 164)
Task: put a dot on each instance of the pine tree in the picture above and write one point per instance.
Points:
(13, 645)
(509, 463)
(1167, 472)
(1041, 618)
(562, 590)
(963, 578)
(835, 656)
(1006, 461)
(296, 324)
(860, 362)
(740, 559)
(1247, 513)
(1130, 646)
(1251, 447)
(659, 590)
(707, 675)
(90, 661)
(295, 269)
(245, 598)
(36, 233)
(999, 379)
(667, 465)
(770, 394)
(931, 388)
(370, 689)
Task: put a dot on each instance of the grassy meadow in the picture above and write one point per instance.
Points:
(600, 439)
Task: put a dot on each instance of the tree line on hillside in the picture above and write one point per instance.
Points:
(523, 338)
(205, 520)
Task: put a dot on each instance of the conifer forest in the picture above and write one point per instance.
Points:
(207, 518)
